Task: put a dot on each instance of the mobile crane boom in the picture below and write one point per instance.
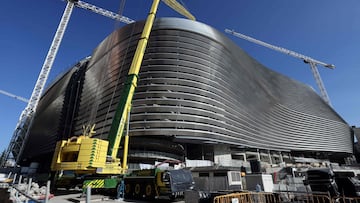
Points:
(124, 105)
(313, 62)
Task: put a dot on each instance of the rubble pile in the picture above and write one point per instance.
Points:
(21, 192)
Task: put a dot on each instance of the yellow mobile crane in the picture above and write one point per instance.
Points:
(87, 155)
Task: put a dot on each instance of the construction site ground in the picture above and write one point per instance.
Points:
(76, 197)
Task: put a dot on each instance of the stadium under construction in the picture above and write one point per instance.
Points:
(200, 100)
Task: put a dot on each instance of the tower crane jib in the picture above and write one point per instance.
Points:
(312, 62)
(14, 96)
(103, 12)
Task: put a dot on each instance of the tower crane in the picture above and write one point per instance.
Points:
(21, 132)
(312, 62)
(14, 96)
(20, 135)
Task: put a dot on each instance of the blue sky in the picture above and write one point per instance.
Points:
(325, 30)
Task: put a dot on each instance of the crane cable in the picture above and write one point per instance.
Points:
(123, 60)
(98, 92)
(120, 12)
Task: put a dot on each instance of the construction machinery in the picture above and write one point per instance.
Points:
(96, 157)
(312, 62)
(159, 183)
(335, 181)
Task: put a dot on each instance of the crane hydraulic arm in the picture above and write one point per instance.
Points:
(121, 114)
(313, 62)
(124, 105)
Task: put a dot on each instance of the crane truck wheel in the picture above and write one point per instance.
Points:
(137, 189)
(149, 191)
(129, 192)
(127, 189)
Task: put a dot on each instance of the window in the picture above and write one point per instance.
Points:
(234, 178)
(203, 174)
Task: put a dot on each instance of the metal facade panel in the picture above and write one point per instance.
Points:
(197, 86)
(48, 125)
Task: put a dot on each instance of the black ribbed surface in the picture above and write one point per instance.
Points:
(53, 112)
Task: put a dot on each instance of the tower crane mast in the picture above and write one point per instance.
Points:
(21, 132)
(312, 62)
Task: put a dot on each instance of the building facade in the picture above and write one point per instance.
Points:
(199, 97)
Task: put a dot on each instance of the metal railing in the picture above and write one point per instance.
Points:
(343, 199)
(263, 197)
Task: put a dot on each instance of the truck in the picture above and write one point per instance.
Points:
(157, 183)
(95, 160)
(348, 182)
(336, 182)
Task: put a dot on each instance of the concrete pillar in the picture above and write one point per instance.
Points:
(47, 191)
(270, 159)
(14, 179)
(281, 157)
(88, 194)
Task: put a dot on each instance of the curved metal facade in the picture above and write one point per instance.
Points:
(197, 86)
(54, 115)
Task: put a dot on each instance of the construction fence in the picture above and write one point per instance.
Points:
(262, 197)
